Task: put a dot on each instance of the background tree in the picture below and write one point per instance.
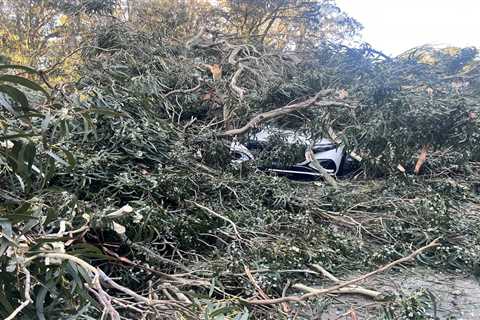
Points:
(283, 23)
(46, 33)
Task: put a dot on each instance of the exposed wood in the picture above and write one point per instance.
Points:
(317, 292)
(311, 102)
(421, 159)
(353, 289)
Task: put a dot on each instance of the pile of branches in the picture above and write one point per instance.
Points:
(119, 197)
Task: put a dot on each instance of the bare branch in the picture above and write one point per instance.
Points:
(235, 229)
(262, 117)
(184, 91)
(317, 292)
(352, 289)
(26, 294)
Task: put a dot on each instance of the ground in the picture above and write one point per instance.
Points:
(453, 295)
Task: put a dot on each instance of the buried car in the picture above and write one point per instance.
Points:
(327, 154)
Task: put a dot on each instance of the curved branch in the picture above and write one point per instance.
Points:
(184, 91)
(262, 117)
(317, 292)
(26, 294)
(233, 83)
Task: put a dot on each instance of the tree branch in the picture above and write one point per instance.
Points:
(262, 117)
(317, 292)
(353, 289)
(28, 299)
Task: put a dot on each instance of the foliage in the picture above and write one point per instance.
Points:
(32, 32)
(122, 188)
(287, 23)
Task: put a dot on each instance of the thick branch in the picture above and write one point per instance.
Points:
(262, 117)
(349, 290)
(233, 83)
(317, 292)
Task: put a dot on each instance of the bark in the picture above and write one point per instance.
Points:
(262, 117)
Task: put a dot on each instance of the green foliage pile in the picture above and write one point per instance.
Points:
(128, 170)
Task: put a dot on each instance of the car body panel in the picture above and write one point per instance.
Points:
(327, 153)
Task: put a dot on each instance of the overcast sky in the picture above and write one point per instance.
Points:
(394, 26)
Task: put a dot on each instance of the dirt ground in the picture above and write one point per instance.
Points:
(454, 296)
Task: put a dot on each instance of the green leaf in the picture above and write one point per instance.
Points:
(20, 67)
(86, 250)
(72, 269)
(6, 230)
(4, 102)
(243, 315)
(212, 288)
(220, 312)
(17, 218)
(23, 208)
(16, 136)
(40, 298)
(23, 82)
(5, 302)
(104, 111)
(51, 215)
(57, 158)
(70, 158)
(17, 95)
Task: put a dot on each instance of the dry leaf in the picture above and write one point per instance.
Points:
(401, 168)
(216, 71)
(353, 314)
(421, 159)
(118, 228)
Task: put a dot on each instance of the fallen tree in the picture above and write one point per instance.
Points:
(119, 195)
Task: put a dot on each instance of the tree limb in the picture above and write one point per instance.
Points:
(317, 292)
(262, 117)
(353, 289)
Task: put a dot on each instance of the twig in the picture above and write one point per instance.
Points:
(235, 229)
(26, 294)
(318, 292)
(98, 274)
(316, 165)
(255, 284)
(195, 39)
(327, 274)
(155, 256)
(348, 290)
(184, 91)
(421, 159)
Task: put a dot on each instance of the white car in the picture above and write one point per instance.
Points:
(328, 154)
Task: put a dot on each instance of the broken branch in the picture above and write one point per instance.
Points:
(262, 117)
(317, 292)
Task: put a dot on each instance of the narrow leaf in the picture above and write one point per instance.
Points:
(24, 82)
(17, 95)
(19, 67)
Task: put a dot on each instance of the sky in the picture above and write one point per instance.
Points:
(394, 26)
